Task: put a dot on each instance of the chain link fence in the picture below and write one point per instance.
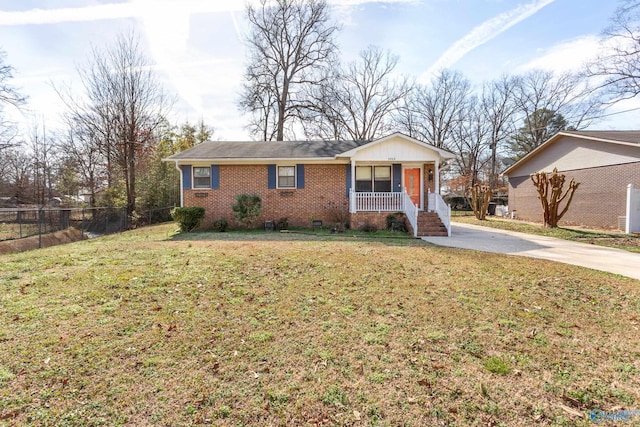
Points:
(18, 223)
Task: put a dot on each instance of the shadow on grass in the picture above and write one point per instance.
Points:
(321, 235)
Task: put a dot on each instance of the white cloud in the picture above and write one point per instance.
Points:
(140, 8)
(567, 56)
(115, 11)
(71, 14)
(483, 33)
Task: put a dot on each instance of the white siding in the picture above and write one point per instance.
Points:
(396, 150)
(569, 153)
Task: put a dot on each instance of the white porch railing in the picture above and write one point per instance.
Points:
(436, 203)
(375, 202)
(385, 202)
(399, 202)
(411, 211)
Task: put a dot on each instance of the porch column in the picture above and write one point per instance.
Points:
(352, 205)
(436, 177)
(353, 175)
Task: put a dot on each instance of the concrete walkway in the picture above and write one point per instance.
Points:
(467, 236)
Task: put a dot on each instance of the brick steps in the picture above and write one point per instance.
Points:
(429, 224)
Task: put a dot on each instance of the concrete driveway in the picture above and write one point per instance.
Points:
(467, 236)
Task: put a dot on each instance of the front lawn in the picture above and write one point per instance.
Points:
(227, 329)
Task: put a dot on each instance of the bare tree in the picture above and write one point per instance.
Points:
(260, 100)
(81, 148)
(8, 96)
(361, 100)
(291, 46)
(470, 142)
(324, 117)
(499, 111)
(124, 105)
(617, 67)
(43, 160)
(17, 175)
(548, 103)
(433, 111)
(551, 194)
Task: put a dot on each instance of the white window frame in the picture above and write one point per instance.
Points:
(295, 177)
(373, 176)
(193, 178)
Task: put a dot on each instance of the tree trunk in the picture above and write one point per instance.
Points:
(480, 198)
(550, 194)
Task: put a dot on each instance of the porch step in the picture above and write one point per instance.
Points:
(429, 224)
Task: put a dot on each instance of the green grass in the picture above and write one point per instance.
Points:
(498, 365)
(628, 242)
(153, 328)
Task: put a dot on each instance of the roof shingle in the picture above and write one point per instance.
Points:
(266, 150)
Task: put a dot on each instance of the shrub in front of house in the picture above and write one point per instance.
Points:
(188, 218)
(338, 216)
(396, 222)
(221, 225)
(247, 209)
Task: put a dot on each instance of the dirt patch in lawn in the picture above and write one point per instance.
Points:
(52, 239)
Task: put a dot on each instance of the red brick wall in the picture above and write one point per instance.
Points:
(598, 201)
(429, 185)
(323, 184)
(377, 219)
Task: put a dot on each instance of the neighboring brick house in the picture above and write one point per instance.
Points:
(300, 180)
(603, 162)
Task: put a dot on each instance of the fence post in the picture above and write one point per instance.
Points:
(40, 219)
(65, 215)
(20, 222)
(82, 225)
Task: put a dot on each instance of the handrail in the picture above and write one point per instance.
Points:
(443, 210)
(411, 211)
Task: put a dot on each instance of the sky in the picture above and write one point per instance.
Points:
(197, 46)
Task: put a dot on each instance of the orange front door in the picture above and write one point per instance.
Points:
(412, 184)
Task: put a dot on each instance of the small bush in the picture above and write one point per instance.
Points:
(247, 209)
(396, 222)
(283, 224)
(188, 218)
(221, 225)
(367, 227)
(338, 215)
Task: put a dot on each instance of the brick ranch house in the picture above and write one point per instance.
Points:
(298, 180)
(603, 162)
